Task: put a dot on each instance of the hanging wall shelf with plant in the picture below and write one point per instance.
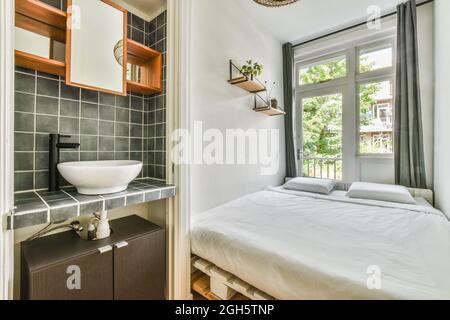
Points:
(247, 78)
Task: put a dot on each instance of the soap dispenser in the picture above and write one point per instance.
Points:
(103, 230)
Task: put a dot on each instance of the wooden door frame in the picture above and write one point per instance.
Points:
(178, 116)
(7, 9)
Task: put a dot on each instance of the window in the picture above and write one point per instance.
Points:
(322, 136)
(372, 60)
(375, 118)
(323, 71)
(345, 108)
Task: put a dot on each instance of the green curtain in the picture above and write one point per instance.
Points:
(408, 141)
(288, 76)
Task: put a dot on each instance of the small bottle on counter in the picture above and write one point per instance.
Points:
(91, 231)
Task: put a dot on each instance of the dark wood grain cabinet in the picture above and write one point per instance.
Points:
(128, 265)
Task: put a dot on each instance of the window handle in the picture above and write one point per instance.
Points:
(299, 154)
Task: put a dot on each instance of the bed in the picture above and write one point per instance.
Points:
(300, 245)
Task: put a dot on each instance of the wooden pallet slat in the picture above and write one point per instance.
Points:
(206, 272)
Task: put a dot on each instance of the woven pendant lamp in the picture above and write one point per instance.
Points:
(274, 3)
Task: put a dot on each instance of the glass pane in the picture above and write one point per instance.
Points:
(375, 60)
(376, 118)
(322, 136)
(324, 71)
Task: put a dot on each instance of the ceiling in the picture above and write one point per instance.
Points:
(308, 18)
(146, 9)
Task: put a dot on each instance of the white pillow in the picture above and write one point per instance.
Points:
(322, 186)
(382, 192)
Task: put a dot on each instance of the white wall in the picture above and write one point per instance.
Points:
(442, 112)
(222, 31)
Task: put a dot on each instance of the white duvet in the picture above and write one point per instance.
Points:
(295, 245)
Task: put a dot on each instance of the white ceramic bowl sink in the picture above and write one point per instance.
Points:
(100, 177)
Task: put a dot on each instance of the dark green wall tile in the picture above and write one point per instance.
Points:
(89, 96)
(69, 92)
(47, 105)
(25, 83)
(24, 122)
(106, 128)
(47, 87)
(41, 161)
(88, 143)
(24, 102)
(23, 141)
(46, 124)
(107, 113)
(89, 110)
(23, 181)
(23, 161)
(69, 125)
(122, 115)
(107, 99)
(89, 127)
(70, 108)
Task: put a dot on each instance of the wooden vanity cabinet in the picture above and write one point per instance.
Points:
(128, 265)
(133, 264)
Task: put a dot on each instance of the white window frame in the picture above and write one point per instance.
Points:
(354, 43)
(380, 78)
(374, 46)
(317, 61)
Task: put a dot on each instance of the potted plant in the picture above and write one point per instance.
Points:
(252, 69)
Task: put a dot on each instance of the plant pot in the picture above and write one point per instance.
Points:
(274, 103)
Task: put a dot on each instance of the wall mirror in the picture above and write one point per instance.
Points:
(96, 46)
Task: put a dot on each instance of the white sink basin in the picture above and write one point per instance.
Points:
(100, 177)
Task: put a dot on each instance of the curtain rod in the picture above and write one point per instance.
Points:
(354, 26)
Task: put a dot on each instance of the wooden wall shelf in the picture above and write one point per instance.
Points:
(31, 61)
(249, 85)
(138, 87)
(270, 111)
(151, 62)
(252, 85)
(140, 54)
(39, 17)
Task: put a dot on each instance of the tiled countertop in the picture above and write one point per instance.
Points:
(34, 208)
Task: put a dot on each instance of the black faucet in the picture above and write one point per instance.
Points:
(55, 145)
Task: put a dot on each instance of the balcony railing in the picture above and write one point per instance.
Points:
(324, 168)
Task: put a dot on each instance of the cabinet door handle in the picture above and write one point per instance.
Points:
(105, 249)
(121, 244)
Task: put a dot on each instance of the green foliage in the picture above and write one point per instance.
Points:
(252, 68)
(324, 72)
(322, 126)
(322, 115)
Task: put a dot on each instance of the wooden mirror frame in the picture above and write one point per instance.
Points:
(69, 50)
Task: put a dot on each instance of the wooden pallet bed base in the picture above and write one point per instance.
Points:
(213, 283)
